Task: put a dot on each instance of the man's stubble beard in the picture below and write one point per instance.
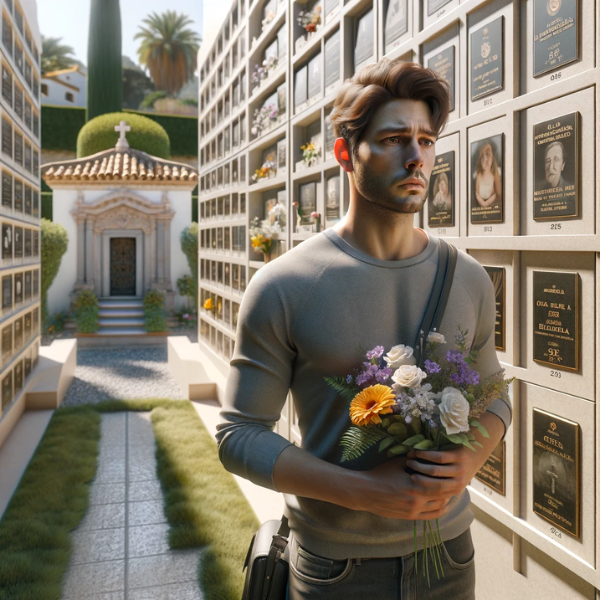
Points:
(376, 189)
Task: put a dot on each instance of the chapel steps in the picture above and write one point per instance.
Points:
(121, 317)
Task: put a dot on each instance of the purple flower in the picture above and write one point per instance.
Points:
(432, 367)
(383, 375)
(455, 357)
(349, 379)
(377, 352)
(363, 378)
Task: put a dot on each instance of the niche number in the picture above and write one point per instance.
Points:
(440, 13)
(555, 226)
(487, 229)
(555, 532)
(556, 76)
(441, 231)
(488, 101)
(556, 374)
(487, 490)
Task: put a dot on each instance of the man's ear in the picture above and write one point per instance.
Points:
(342, 154)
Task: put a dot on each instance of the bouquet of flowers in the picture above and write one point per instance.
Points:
(309, 20)
(263, 117)
(310, 153)
(391, 405)
(264, 172)
(262, 232)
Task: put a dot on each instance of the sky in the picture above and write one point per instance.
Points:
(69, 19)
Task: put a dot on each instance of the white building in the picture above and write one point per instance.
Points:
(65, 88)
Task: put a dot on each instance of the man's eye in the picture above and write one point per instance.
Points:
(393, 140)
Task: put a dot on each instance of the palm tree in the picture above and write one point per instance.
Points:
(168, 49)
(55, 56)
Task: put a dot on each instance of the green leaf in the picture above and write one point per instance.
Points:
(474, 423)
(478, 444)
(416, 425)
(385, 423)
(415, 439)
(398, 429)
(357, 440)
(483, 432)
(385, 443)
(470, 436)
(345, 390)
(398, 450)
(424, 445)
(454, 438)
(468, 445)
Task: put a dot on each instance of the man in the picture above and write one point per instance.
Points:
(554, 165)
(303, 318)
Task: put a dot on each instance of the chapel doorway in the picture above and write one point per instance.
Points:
(122, 266)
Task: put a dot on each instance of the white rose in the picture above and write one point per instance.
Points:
(399, 355)
(454, 411)
(408, 376)
(436, 338)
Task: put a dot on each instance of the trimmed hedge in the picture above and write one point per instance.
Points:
(155, 317)
(61, 126)
(86, 311)
(145, 135)
(47, 210)
(54, 245)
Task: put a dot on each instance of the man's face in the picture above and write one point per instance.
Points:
(395, 157)
(554, 165)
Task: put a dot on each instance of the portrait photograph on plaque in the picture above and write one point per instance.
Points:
(7, 394)
(443, 65)
(18, 242)
(556, 470)
(315, 70)
(434, 5)
(27, 285)
(493, 472)
(307, 204)
(440, 203)
(396, 22)
(332, 200)
(300, 89)
(18, 288)
(556, 327)
(18, 376)
(332, 60)
(498, 275)
(7, 241)
(487, 59)
(555, 34)
(487, 202)
(27, 326)
(18, 203)
(364, 40)
(18, 325)
(7, 297)
(556, 191)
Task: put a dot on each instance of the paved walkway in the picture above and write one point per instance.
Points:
(120, 549)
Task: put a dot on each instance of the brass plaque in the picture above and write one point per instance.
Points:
(493, 472)
(487, 181)
(7, 394)
(556, 299)
(440, 205)
(443, 64)
(556, 168)
(556, 468)
(555, 34)
(497, 275)
(487, 58)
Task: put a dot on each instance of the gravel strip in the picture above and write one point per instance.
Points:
(122, 374)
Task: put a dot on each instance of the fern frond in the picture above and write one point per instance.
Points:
(356, 441)
(345, 390)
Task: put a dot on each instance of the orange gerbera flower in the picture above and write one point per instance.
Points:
(370, 403)
(209, 304)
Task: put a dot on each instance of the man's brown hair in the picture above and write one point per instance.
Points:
(377, 84)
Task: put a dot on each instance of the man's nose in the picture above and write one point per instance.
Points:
(414, 156)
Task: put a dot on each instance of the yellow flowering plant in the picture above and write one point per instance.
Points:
(310, 153)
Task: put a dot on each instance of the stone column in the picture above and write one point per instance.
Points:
(89, 252)
(167, 226)
(152, 256)
(160, 255)
(98, 281)
(147, 262)
(80, 251)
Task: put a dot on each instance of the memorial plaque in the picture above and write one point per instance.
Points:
(300, 89)
(497, 275)
(36, 282)
(314, 76)
(7, 334)
(556, 191)
(493, 472)
(6, 190)
(281, 154)
(27, 236)
(28, 199)
(331, 6)
(555, 34)
(282, 98)
(434, 5)
(443, 64)
(18, 377)
(7, 295)
(556, 327)
(332, 60)
(18, 242)
(307, 202)
(18, 203)
(27, 326)
(440, 203)
(396, 22)
(329, 138)
(487, 198)
(27, 285)
(282, 44)
(18, 155)
(332, 203)
(36, 242)
(18, 288)
(272, 50)
(556, 471)
(27, 366)
(18, 333)
(7, 241)
(36, 321)
(7, 390)
(313, 133)
(364, 47)
(487, 58)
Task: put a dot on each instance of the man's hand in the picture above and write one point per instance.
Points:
(456, 467)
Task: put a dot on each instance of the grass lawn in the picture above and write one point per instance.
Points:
(203, 503)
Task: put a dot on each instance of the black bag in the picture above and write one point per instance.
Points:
(267, 562)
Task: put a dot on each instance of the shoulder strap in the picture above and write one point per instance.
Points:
(438, 297)
(278, 545)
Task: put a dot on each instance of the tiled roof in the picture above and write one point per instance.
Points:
(125, 166)
(73, 69)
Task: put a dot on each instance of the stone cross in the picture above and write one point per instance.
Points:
(122, 143)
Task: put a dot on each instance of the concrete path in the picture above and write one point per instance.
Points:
(120, 548)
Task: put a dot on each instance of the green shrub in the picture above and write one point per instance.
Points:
(54, 245)
(61, 126)
(86, 311)
(151, 98)
(145, 135)
(155, 318)
(189, 102)
(189, 246)
(55, 323)
(186, 286)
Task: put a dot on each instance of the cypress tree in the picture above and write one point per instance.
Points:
(105, 71)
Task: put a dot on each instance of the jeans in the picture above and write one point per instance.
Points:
(316, 577)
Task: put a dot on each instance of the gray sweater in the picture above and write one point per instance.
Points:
(303, 318)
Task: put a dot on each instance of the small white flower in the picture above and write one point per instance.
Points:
(399, 355)
(454, 411)
(408, 376)
(436, 338)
